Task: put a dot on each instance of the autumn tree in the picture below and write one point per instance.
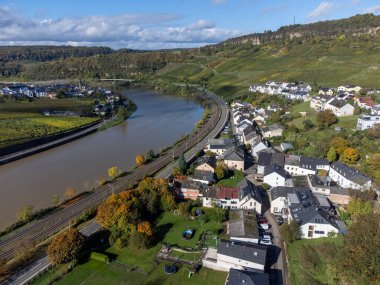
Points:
(359, 253)
(140, 159)
(221, 170)
(340, 144)
(332, 154)
(145, 228)
(325, 119)
(25, 213)
(66, 246)
(113, 172)
(350, 155)
(70, 193)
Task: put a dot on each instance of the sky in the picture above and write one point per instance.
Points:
(157, 24)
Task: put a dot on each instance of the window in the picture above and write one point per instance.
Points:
(250, 204)
(319, 232)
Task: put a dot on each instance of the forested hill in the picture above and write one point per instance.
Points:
(361, 24)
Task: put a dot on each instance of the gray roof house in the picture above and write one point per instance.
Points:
(348, 177)
(242, 226)
(244, 277)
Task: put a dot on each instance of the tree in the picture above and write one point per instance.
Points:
(290, 232)
(325, 119)
(358, 207)
(25, 213)
(265, 186)
(308, 124)
(331, 154)
(113, 172)
(150, 155)
(176, 171)
(145, 228)
(138, 240)
(140, 159)
(359, 251)
(221, 170)
(182, 164)
(184, 209)
(302, 142)
(66, 246)
(121, 113)
(55, 199)
(350, 155)
(70, 193)
(340, 144)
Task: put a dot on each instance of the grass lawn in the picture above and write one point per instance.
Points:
(233, 179)
(186, 255)
(297, 266)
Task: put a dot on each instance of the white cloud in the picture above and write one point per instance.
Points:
(125, 30)
(218, 2)
(374, 9)
(323, 10)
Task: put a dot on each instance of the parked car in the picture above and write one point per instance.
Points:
(266, 237)
(265, 242)
(262, 220)
(264, 226)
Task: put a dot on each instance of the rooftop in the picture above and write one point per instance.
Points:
(244, 277)
(350, 173)
(243, 224)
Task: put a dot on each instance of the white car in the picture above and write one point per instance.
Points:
(266, 237)
(264, 226)
(265, 242)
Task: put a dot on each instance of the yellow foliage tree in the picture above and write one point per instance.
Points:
(145, 228)
(140, 159)
(350, 155)
(113, 172)
(70, 193)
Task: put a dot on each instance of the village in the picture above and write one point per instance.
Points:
(263, 186)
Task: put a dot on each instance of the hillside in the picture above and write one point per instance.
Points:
(324, 53)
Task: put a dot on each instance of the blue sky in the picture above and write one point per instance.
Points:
(151, 24)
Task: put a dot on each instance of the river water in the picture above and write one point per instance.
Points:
(159, 121)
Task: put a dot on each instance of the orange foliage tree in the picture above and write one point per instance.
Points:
(145, 228)
(140, 159)
(340, 144)
(66, 246)
(70, 193)
(350, 155)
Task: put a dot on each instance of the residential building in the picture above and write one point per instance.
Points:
(234, 158)
(318, 103)
(245, 277)
(236, 255)
(350, 88)
(275, 175)
(367, 121)
(326, 91)
(249, 196)
(188, 189)
(219, 146)
(348, 177)
(340, 107)
(271, 131)
(203, 176)
(279, 200)
(206, 163)
(242, 226)
(365, 102)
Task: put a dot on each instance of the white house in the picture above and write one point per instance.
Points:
(262, 145)
(326, 91)
(275, 175)
(348, 177)
(340, 107)
(318, 103)
(271, 131)
(350, 88)
(249, 196)
(236, 255)
(279, 200)
(301, 165)
(367, 121)
(219, 146)
(222, 197)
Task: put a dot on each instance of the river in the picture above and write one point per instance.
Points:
(159, 121)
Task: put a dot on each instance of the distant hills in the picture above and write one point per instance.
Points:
(325, 53)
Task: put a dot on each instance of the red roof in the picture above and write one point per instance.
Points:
(227, 192)
(366, 100)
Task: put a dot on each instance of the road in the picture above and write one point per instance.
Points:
(277, 252)
(38, 231)
(41, 264)
(189, 155)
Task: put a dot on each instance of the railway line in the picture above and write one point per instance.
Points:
(35, 232)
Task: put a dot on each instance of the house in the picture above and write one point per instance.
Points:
(206, 163)
(242, 226)
(275, 175)
(340, 107)
(301, 165)
(260, 119)
(219, 146)
(350, 88)
(258, 147)
(228, 197)
(365, 102)
(348, 177)
(367, 121)
(239, 277)
(326, 91)
(234, 158)
(324, 185)
(267, 158)
(376, 110)
(314, 221)
(318, 103)
(187, 189)
(208, 196)
(271, 131)
(249, 196)
(203, 176)
(236, 255)
(249, 134)
(279, 200)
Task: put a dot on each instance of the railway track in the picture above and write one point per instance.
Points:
(35, 232)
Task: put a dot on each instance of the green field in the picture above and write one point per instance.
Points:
(168, 230)
(20, 128)
(232, 180)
